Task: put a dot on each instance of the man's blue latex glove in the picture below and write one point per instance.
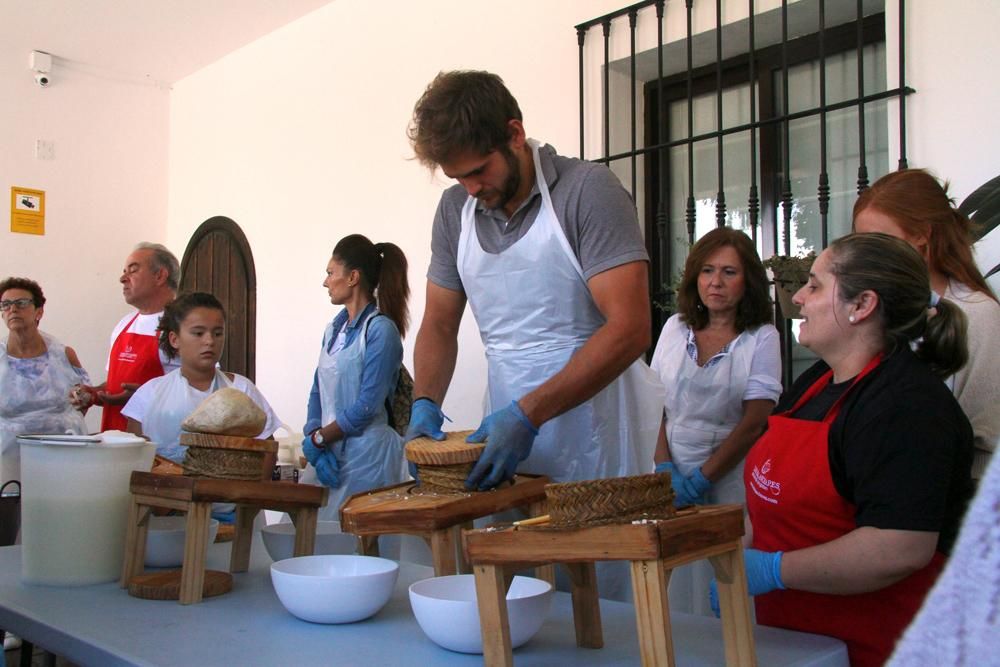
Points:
(763, 575)
(508, 435)
(328, 470)
(309, 450)
(426, 419)
(692, 489)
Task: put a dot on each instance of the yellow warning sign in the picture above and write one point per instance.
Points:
(27, 211)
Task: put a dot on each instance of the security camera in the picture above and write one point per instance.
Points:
(43, 79)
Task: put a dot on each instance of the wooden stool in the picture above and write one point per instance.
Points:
(194, 496)
(654, 549)
(439, 519)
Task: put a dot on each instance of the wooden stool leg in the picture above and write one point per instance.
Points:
(195, 548)
(491, 592)
(652, 612)
(135, 541)
(305, 531)
(368, 544)
(737, 626)
(443, 552)
(586, 608)
(239, 557)
(462, 564)
(543, 572)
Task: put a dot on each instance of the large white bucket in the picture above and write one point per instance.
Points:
(74, 507)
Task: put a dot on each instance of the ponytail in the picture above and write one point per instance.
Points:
(393, 291)
(943, 345)
(383, 268)
(898, 275)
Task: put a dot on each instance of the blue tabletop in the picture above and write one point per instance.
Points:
(103, 625)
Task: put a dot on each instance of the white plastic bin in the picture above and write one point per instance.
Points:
(74, 506)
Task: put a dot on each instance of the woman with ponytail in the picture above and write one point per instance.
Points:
(856, 491)
(911, 205)
(349, 443)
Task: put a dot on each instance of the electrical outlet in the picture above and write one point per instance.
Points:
(45, 150)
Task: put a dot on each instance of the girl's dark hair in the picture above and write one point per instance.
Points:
(28, 285)
(896, 272)
(178, 309)
(754, 308)
(383, 268)
(920, 205)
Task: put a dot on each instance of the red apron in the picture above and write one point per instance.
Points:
(793, 504)
(134, 358)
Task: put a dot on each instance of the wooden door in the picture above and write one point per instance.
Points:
(218, 260)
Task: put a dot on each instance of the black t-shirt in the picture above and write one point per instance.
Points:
(900, 447)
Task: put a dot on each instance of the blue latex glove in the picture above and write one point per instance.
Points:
(692, 489)
(426, 419)
(328, 470)
(763, 575)
(413, 470)
(310, 451)
(508, 435)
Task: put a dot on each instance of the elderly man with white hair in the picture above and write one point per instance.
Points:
(149, 282)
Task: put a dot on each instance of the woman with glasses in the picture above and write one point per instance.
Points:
(37, 373)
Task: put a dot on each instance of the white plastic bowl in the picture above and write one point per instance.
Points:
(447, 611)
(279, 540)
(165, 540)
(334, 589)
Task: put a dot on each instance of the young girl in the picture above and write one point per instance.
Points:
(193, 327)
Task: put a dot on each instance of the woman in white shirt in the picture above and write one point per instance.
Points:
(719, 359)
(193, 327)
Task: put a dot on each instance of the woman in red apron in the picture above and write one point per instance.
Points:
(855, 493)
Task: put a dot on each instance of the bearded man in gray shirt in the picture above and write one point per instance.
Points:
(548, 252)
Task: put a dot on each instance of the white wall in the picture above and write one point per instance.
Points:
(300, 138)
(951, 54)
(106, 190)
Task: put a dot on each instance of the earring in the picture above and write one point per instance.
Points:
(851, 319)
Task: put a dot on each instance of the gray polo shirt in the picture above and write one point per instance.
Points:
(595, 211)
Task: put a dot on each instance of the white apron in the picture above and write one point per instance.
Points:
(703, 407)
(534, 311)
(367, 461)
(35, 404)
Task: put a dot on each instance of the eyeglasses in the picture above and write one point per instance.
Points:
(20, 303)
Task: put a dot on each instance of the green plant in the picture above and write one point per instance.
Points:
(790, 269)
(790, 274)
(668, 304)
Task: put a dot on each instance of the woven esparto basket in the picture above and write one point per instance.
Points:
(613, 500)
(228, 457)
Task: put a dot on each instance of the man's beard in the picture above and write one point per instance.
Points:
(513, 181)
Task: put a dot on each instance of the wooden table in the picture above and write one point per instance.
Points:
(99, 625)
(654, 549)
(194, 496)
(438, 518)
